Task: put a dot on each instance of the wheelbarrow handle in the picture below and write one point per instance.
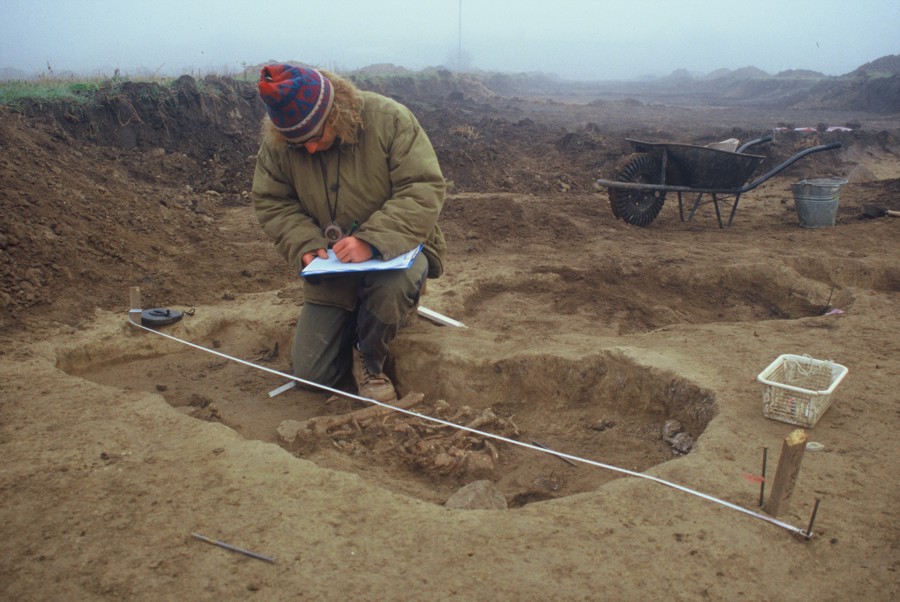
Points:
(746, 145)
(788, 162)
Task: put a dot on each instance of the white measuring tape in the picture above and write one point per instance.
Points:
(136, 313)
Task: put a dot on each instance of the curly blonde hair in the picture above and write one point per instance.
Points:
(345, 115)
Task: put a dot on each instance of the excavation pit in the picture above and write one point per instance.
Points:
(615, 299)
(602, 407)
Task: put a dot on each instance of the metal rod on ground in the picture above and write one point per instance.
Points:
(812, 519)
(288, 385)
(437, 318)
(566, 460)
(233, 548)
(762, 483)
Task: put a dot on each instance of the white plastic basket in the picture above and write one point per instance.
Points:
(798, 388)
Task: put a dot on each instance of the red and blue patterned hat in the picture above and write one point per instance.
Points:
(297, 99)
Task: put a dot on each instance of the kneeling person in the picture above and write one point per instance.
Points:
(353, 171)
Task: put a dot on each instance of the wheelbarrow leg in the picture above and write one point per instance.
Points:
(680, 207)
(718, 212)
(696, 205)
(737, 198)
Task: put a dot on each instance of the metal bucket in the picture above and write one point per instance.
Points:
(816, 201)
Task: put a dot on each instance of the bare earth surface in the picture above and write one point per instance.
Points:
(584, 334)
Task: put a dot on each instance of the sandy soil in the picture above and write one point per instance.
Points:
(583, 333)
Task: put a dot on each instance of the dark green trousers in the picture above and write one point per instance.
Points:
(325, 335)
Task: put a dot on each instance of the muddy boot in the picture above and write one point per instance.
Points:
(373, 386)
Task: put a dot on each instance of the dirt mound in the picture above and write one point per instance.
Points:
(877, 95)
(108, 192)
(438, 84)
(886, 65)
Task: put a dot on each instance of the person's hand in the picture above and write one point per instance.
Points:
(308, 257)
(352, 250)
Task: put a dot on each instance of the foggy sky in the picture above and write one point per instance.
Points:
(576, 39)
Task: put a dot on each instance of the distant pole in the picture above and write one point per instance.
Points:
(459, 46)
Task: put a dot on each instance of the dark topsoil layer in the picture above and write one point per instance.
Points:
(128, 188)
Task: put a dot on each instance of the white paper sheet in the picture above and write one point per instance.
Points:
(333, 265)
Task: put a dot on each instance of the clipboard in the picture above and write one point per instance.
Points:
(334, 266)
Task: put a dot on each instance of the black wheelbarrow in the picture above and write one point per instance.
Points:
(643, 178)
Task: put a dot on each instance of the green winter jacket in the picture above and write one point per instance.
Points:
(391, 189)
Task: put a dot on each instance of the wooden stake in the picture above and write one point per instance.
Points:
(787, 472)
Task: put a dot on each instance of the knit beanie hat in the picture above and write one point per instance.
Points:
(297, 99)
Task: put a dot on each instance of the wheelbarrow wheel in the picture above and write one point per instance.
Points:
(637, 207)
